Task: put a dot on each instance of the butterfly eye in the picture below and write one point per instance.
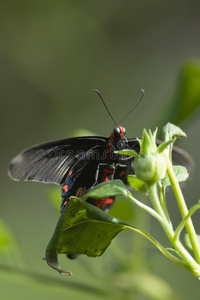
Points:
(123, 130)
(116, 131)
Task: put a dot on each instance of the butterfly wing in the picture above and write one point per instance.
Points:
(50, 162)
(80, 177)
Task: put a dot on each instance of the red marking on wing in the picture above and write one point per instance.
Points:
(65, 188)
(106, 179)
(112, 138)
(122, 173)
(70, 173)
(65, 202)
(109, 201)
(101, 203)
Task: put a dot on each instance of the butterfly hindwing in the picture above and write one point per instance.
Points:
(78, 177)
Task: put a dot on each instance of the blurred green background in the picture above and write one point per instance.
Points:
(53, 54)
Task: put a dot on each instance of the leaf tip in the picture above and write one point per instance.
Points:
(52, 260)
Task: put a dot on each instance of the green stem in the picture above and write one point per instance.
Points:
(183, 209)
(192, 264)
(145, 207)
(167, 226)
(161, 248)
(163, 203)
(184, 220)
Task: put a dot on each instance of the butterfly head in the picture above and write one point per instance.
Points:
(118, 136)
(119, 132)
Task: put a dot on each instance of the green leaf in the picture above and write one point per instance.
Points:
(188, 93)
(188, 243)
(136, 183)
(81, 229)
(107, 189)
(85, 229)
(127, 152)
(181, 175)
(186, 99)
(171, 131)
(164, 145)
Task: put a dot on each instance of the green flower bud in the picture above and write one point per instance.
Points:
(150, 165)
(150, 168)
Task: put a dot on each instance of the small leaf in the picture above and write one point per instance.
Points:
(164, 145)
(181, 175)
(136, 183)
(171, 131)
(188, 243)
(107, 189)
(154, 134)
(148, 144)
(81, 229)
(127, 152)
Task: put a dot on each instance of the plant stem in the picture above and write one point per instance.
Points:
(163, 202)
(167, 226)
(145, 207)
(193, 266)
(161, 248)
(184, 220)
(183, 209)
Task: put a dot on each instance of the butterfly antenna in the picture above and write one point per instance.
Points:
(143, 94)
(106, 106)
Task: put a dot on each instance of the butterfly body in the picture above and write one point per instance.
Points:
(95, 166)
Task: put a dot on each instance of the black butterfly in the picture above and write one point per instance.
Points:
(80, 163)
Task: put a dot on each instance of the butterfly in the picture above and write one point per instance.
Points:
(80, 163)
(77, 163)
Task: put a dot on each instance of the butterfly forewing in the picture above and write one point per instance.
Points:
(50, 162)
